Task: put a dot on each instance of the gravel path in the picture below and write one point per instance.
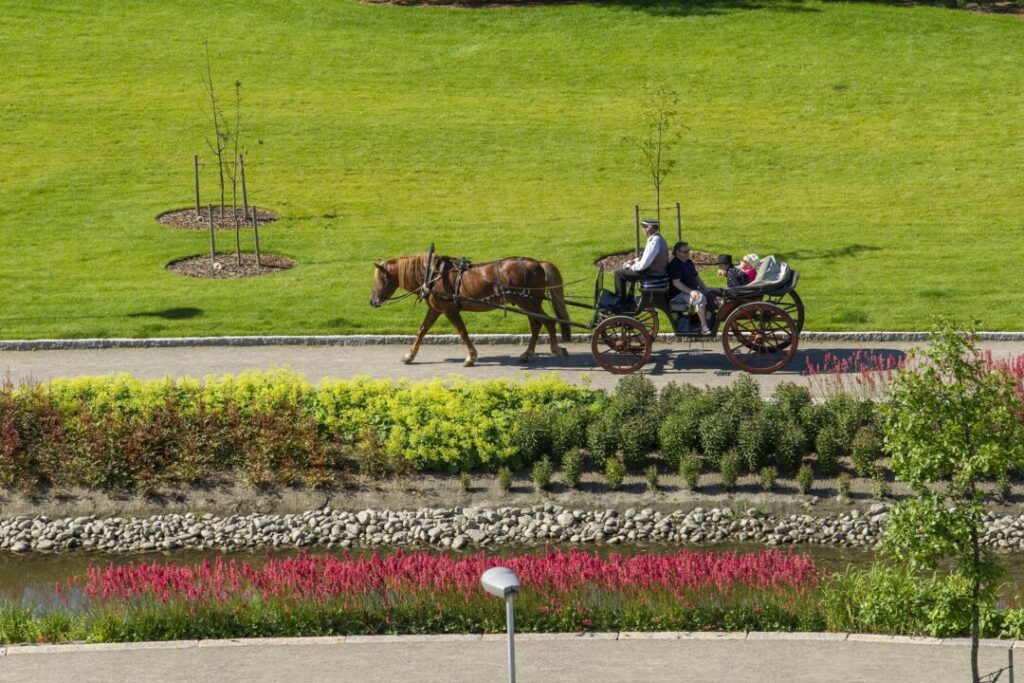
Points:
(555, 658)
(697, 363)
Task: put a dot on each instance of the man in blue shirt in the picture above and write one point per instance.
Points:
(687, 287)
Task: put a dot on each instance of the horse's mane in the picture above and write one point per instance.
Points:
(411, 269)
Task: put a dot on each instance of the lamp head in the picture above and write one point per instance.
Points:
(501, 582)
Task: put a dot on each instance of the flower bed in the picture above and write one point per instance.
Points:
(425, 593)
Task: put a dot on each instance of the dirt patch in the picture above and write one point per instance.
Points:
(611, 262)
(186, 219)
(225, 266)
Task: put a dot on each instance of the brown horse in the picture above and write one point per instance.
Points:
(457, 286)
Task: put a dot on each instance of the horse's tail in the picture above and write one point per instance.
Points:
(554, 285)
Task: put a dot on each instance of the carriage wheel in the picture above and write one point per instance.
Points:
(791, 303)
(621, 345)
(759, 337)
(648, 317)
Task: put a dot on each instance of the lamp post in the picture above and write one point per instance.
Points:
(503, 583)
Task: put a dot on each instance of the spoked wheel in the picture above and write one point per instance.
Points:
(648, 317)
(791, 303)
(760, 337)
(621, 345)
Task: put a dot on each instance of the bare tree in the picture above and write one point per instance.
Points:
(661, 135)
(236, 137)
(221, 130)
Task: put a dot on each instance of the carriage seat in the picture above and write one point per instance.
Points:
(655, 284)
(786, 282)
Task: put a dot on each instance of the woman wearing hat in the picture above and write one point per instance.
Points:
(734, 277)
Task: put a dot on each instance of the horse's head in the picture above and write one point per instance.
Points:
(385, 282)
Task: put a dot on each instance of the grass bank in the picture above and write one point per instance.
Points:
(877, 148)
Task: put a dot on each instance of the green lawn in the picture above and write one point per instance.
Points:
(879, 149)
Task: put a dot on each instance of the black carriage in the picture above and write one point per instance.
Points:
(760, 324)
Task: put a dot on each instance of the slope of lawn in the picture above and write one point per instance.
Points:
(880, 149)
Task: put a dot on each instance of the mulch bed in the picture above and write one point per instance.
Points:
(227, 267)
(611, 262)
(186, 219)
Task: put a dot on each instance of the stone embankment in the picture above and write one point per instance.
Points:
(460, 528)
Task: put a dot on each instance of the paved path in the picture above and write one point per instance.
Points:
(697, 363)
(611, 658)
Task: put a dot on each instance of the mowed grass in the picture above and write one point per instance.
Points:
(879, 149)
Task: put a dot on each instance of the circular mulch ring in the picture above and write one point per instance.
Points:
(610, 262)
(227, 267)
(186, 219)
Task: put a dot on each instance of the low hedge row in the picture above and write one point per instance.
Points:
(119, 432)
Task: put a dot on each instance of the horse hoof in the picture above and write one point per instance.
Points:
(407, 359)
(524, 358)
(563, 352)
(469, 362)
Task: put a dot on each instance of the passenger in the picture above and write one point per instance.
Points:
(652, 263)
(687, 287)
(734, 277)
(749, 265)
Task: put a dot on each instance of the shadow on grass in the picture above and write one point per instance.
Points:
(182, 313)
(661, 8)
(849, 251)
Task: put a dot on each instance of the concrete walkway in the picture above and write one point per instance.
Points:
(599, 658)
(697, 363)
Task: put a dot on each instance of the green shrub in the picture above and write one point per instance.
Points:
(531, 435)
(541, 474)
(790, 446)
(504, 479)
(680, 433)
(689, 469)
(717, 435)
(371, 459)
(865, 452)
(1003, 487)
(572, 467)
(603, 437)
(829, 447)
(729, 469)
(651, 475)
(635, 395)
(466, 481)
(769, 476)
(674, 396)
(880, 487)
(889, 599)
(814, 418)
(843, 483)
(805, 479)
(638, 436)
(614, 472)
(792, 399)
(567, 430)
(758, 438)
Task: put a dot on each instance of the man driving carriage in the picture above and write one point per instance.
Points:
(653, 263)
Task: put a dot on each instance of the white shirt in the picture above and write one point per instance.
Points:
(655, 244)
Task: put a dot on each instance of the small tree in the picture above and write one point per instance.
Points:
(657, 147)
(221, 129)
(949, 424)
